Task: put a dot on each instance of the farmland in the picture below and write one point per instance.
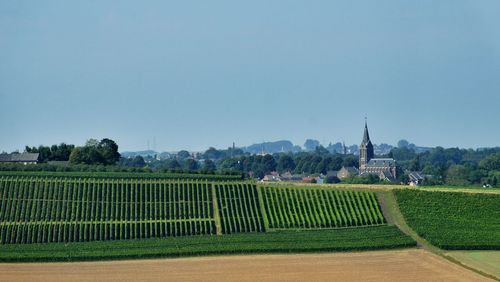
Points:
(44, 210)
(147, 217)
(454, 221)
(318, 208)
(55, 209)
(394, 265)
(349, 239)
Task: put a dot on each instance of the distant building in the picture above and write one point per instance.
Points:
(346, 172)
(416, 178)
(24, 158)
(385, 168)
(270, 178)
(287, 176)
(308, 179)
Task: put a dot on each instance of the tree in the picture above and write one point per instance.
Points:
(403, 143)
(491, 163)
(335, 163)
(209, 166)
(183, 154)
(350, 161)
(212, 153)
(268, 163)
(285, 163)
(311, 144)
(108, 150)
(191, 165)
(94, 152)
(137, 161)
(76, 156)
(457, 175)
(322, 151)
(173, 165)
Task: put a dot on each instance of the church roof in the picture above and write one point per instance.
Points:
(381, 162)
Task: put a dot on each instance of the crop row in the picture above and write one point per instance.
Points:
(52, 199)
(124, 175)
(366, 238)
(36, 209)
(239, 208)
(318, 208)
(97, 231)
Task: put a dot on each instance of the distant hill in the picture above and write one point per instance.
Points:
(285, 146)
(272, 147)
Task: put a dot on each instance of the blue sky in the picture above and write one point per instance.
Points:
(194, 74)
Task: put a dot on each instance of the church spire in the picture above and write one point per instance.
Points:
(365, 149)
(366, 136)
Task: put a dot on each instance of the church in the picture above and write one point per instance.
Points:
(385, 168)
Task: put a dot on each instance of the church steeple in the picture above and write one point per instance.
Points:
(365, 149)
(366, 136)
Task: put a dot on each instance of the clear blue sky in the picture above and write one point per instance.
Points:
(196, 74)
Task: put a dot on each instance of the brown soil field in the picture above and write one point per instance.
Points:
(400, 265)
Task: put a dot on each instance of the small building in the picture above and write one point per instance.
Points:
(346, 172)
(24, 158)
(288, 176)
(416, 178)
(271, 178)
(308, 179)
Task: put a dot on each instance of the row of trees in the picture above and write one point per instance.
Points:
(300, 163)
(452, 166)
(59, 152)
(94, 152)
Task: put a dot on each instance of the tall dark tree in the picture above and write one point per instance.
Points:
(209, 166)
(191, 165)
(94, 152)
(285, 163)
(183, 154)
(108, 150)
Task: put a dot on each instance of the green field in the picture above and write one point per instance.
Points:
(58, 218)
(44, 210)
(318, 208)
(55, 209)
(348, 239)
(453, 221)
(239, 209)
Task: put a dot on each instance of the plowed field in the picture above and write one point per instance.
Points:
(401, 265)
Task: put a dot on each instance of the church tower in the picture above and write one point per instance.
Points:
(365, 149)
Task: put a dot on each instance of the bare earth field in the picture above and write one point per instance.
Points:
(400, 265)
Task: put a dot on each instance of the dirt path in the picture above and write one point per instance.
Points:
(401, 265)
